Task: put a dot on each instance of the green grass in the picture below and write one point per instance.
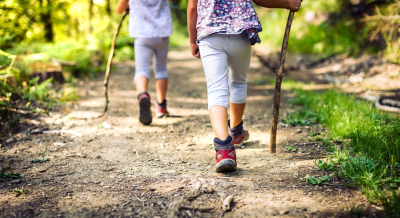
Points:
(84, 54)
(364, 142)
(370, 132)
(302, 117)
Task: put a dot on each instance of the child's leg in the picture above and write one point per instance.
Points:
(219, 121)
(142, 59)
(161, 89)
(238, 63)
(214, 61)
(215, 67)
(239, 54)
(236, 113)
(161, 46)
(141, 83)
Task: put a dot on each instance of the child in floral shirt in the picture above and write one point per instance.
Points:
(221, 33)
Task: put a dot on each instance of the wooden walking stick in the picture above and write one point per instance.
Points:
(279, 76)
(110, 57)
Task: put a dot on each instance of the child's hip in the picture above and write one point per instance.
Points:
(227, 43)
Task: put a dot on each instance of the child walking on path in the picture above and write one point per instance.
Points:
(150, 24)
(221, 33)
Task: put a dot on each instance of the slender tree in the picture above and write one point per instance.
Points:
(47, 20)
(90, 16)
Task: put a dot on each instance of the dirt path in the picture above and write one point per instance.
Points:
(113, 166)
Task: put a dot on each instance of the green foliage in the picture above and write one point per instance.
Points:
(385, 23)
(340, 155)
(366, 140)
(363, 171)
(357, 211)
(16, 83)
(302, 117)
(40, 160)
(68, 95)
(392, 205)
(265, 80)
(9, 176)
(331, 27)
(289, 148)
(314, 180)
(370, 132)
(89, 58)
(320, 34)
(320, 165)
(42, 157)
(36, 91)
(21, 191)
(328, 39)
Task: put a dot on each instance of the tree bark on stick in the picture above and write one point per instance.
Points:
(279, 76)
(110, 57)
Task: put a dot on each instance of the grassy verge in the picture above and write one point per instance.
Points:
(22, 94)
(364, 142)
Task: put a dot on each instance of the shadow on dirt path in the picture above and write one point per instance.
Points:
(112, 166)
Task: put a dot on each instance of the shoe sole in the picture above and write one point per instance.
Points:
(226, 166)
(162, 115)
(145, 113)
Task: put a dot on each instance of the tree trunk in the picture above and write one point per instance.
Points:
(108, 8)
(90, 16)
(47, 21)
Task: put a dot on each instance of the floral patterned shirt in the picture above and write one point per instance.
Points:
(227, 17)
(149, 19)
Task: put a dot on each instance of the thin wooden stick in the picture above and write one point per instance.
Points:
(110, 57)
(279, 76)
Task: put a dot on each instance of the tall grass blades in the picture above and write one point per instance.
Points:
(369, 153)
(370, 132)
(363, 171)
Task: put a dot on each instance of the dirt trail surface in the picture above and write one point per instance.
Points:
(112, 166)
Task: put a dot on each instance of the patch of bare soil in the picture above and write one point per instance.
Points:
(112, 166)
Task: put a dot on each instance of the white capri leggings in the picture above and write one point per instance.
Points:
(220, 54)
(144, 48)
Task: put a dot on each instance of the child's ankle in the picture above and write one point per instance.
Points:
(222, 145)
(163, 103)
(235, 130)
(143, 94)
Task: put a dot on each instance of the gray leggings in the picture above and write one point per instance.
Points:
(224, 55)
(144, 48)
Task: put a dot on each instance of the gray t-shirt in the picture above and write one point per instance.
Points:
(149, 19)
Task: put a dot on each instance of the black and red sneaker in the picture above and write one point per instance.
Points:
(239, 134)
(161, 109)
(144, 108)
(225, 157)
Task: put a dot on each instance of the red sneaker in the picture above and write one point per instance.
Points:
(161, 111)
(225, 159)
(240, 138)
(144, 107)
